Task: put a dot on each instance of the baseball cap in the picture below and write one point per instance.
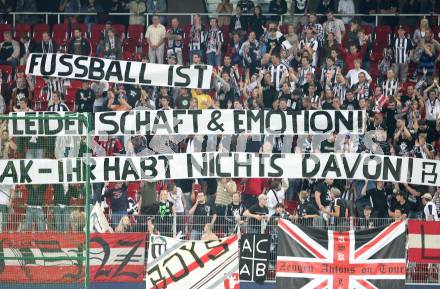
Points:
(427, 196)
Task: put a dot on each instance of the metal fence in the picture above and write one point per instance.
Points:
(192, 227)
(284, 18)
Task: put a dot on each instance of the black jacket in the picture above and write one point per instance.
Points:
(85, 46)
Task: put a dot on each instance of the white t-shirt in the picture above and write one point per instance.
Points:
(353, 75)
(430, 212)
(273, 198)
(176, 199)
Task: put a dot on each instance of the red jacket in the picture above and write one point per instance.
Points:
(254, 187)
(350, 58)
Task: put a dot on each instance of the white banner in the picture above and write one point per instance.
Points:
(118, 71)
(98, 221)
(178, 264)
(186, 122)
(221, 165)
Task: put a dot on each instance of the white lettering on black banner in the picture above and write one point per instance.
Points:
(185, 122)
(254, 257)
(223, 165)
(118, 71)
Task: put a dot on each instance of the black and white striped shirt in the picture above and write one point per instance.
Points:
(389, 87)
(302, 72)
(54, 85)
(58, 107)
(214, 40)
(313, 43)
(277, 72)
(402, 48)
(339, 91)
(364, 90)
(197, 38)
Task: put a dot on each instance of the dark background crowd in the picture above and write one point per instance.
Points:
(304, 63)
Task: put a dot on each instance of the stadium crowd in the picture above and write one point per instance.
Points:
(310, 62)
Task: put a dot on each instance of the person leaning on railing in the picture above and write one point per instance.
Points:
(202, 213)
(306, 211)
(257, 215)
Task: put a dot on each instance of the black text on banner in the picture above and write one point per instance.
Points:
(118, 71)
(186, 122)
(221, 165)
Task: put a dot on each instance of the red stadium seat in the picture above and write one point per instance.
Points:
(382, 35)
(119, 30)
(436, 32)
(4, 28)
(60, 33)
(22, 30)
(367, 29)
(96, 30)
(283, 29)
(70, 95)
(75, 83)
(130, 45)
(135, 31)
(38, 31)
(128, 55)
(6, 68)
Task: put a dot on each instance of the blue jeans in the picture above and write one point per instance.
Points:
(214, 59)
(62, 218)
(116, 217)
(34, 215)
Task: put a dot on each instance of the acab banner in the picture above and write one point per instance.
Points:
(314, 258)
(118, 71)
(254, 257)
(178, 264)
(222, 165)
(51, 257)
(424, 241)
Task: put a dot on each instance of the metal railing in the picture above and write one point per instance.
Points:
(191, 227)
(147, 16)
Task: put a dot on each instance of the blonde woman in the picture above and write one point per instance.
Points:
(419, 33)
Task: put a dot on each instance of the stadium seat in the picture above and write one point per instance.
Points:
(130, 45)
(367, 29)
(95, 33)
(6, 68)
(382, 35)
(38, 30)
(4, 28)
(60, 33)
(22, 30)
(119, 30)
(436, 32)
(135, 32)
(75, 83)
(70, 95)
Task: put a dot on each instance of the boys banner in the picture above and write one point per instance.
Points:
(222, 165)
(118, 71)
(315, 258)
(60, 258)
(254, 257)
(424, 241)
(178, 264)
(186, 122)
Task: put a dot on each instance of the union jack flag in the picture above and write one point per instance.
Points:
(311, 258)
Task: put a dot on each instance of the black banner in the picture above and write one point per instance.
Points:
(254, 257)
